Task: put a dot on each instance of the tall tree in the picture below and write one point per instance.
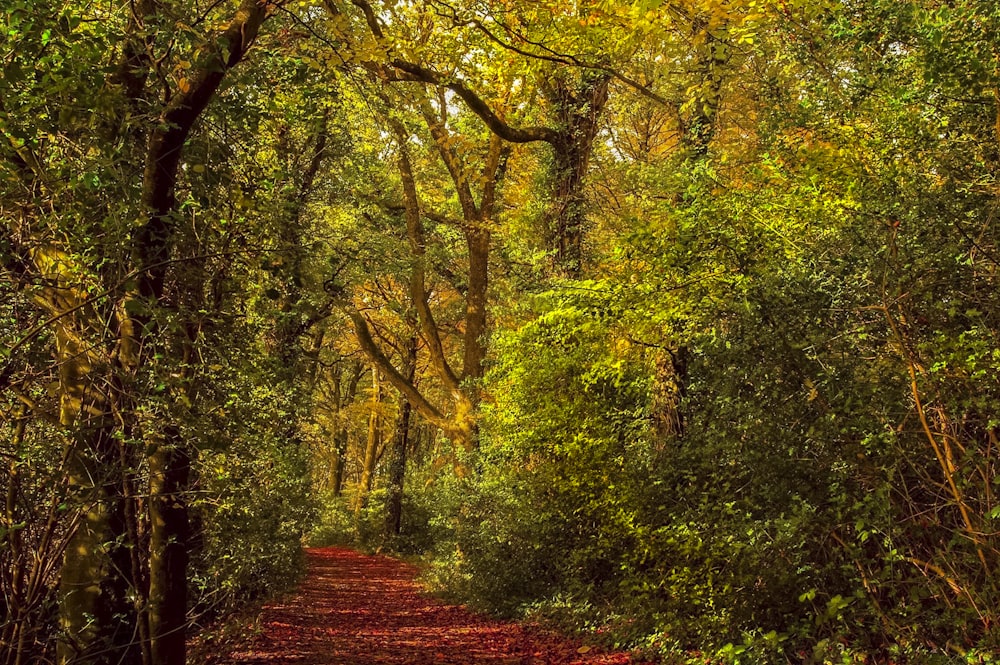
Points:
(103, 340)
(475, 225)
(400, 445)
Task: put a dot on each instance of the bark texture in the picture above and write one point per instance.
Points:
(578, 106)
(400, 443)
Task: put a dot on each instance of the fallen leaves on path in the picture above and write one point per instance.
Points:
(354, 609)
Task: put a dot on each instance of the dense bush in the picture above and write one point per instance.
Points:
(253, 495)
(790, 519)
(423, 525)
(579, 515)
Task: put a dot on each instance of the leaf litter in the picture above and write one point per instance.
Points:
(357, 609)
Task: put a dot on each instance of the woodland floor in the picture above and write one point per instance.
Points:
(354, 609)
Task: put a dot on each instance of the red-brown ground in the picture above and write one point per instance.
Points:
(354, 609)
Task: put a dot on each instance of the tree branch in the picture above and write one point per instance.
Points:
(152, 240)
(452, 161)
(418, 289)
(551, 55)
(476, 105)
(398, 381)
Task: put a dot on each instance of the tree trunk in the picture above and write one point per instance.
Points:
(341, 437)
(397, 472)
(95, 614)
(169, 471)
(579, 106)
(153, 243)
(397, 469)
(340, 440)
(93, 591)
(140, 578)
(669, 384)
(371, 449)
(476, 324)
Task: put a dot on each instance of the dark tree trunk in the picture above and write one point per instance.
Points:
(136, 544)
(169, 471)
(578, 106)
(397, 472)
(339, 460)
(400, 442)
(153, 244)
(476, 324)
(341, 438)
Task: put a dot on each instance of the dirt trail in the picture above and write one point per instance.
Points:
(354, 609)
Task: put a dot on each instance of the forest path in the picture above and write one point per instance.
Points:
(354, 609)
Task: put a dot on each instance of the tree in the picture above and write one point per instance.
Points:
(114, 318)
(475, 225)
(400, 444)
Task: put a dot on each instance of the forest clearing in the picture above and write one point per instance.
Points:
(669, 325)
